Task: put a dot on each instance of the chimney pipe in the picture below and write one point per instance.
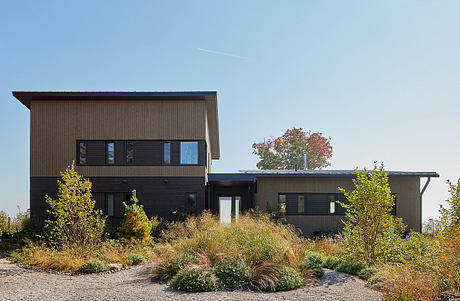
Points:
(305, 167)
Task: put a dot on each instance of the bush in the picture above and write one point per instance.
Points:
(315, 259)
(288, 279)
(157, 227)
(367, 273)
(135, 259)
(135, 223)
(94, 266)
(332, 262)
(168, 268)
(194, 280)
(232, 273)
(31, 227)
(349, 267)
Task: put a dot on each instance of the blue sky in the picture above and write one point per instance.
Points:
(381, 78)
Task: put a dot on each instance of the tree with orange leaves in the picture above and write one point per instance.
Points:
(288, 150)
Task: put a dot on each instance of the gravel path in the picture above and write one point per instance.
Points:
(17, 283)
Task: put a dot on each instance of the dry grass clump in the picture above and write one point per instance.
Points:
(266, 247)
(72, 259)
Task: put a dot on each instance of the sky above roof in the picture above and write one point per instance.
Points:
(382, 79)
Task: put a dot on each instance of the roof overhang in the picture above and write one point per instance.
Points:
(210, 97)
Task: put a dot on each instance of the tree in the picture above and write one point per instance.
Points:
(135, 222)
(75, 221)
(288, 150)
(450, 215)
(369, 225)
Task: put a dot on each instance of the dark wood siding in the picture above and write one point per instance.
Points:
(315, 203)
(158, 196)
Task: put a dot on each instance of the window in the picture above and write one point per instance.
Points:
(189, 153)
(167, 153)
(129, 152)
(110, 152)
(82, 153)
(282, 202)
(109, 206)
(300, 203)
(191, 199)
(331, 204)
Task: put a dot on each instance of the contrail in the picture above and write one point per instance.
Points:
(220, 53)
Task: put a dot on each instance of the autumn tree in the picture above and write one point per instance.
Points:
(287, 151)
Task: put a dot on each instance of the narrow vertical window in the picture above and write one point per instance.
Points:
(129, 152)
(110, 151)
(191, 200)
(82, 153)
(331, 204)
(110, 200)
(300, 204)
(167, 153)
(189, 153)
(282, 202)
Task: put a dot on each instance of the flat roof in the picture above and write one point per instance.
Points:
(210, 97)
(251, 175)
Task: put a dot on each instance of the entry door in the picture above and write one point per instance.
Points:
(229, 206)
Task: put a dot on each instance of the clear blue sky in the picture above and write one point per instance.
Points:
(381, 78)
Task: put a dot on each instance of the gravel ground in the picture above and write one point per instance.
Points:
(17, 283)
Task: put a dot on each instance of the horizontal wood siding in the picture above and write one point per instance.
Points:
(57, 125)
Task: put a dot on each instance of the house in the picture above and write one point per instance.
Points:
(162, 144)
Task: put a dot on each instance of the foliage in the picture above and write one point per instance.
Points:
(367, 273)
(195, 280)
(3, 222)
(94, 266)
(232, 273)
(183, 214)
(264, 276)
(135, 259)
(369, 226)
(332, 262)
(451, 214)
(315, 258)
(288, 150)
(288, 279)
(157, 227)
(168, 268)
(276, 214)
(350, 267)
(135, 222)
(75, 221)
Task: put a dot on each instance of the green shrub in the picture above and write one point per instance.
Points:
(314, 258)
(232, 273)
(288, 279)
(310, 269)
(135, 222)
(349, 267)
(167, 269)
(31, 227)
(157, 227)
(194, 280)
(332, 262)
(94, 266)
(135, 259)
(367, 273)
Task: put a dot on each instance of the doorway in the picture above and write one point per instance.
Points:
(229, 207)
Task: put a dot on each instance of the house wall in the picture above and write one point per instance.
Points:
(56, 126)
(407, 191)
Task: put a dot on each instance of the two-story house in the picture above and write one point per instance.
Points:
(162, 144)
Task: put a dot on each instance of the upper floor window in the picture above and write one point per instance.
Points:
(129, 152)
(110, 151)
(189, 153)
(167, 153)
(82, 153)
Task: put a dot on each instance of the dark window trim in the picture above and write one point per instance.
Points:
(126, 153)
(198, 152)
(306, 200)
(163, 142)
(78, 153)
(106, 204)
(107, 153)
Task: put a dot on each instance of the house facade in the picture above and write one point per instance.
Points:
(162, 144)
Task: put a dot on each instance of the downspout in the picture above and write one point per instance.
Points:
(421, 195)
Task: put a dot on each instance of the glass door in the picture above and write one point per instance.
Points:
(229, 207)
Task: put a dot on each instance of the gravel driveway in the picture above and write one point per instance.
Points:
(17, 283)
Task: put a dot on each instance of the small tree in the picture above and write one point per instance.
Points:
(369, 225)
(135, 222)
(450, 215)
(75, 221)
(3, 222)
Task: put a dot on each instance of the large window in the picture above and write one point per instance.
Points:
(167, 153)
(110, 152)
(129, 152)
(82, 153)
(189, 153)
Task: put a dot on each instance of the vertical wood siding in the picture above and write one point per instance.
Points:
(57, 125)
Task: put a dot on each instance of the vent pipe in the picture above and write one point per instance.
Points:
(305, 167)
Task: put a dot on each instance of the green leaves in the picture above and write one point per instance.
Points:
(75, 222)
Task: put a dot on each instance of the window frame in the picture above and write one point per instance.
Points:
(107, 142)
(163, 153)
(197, 152)
(126, 153)
(78, 152)
(289, 210)
(106, 204)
